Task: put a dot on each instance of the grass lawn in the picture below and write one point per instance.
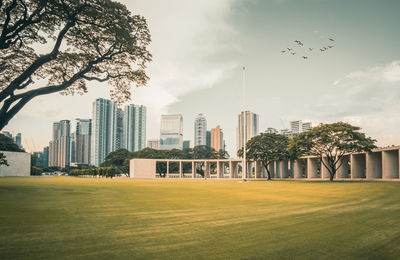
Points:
(61, 217)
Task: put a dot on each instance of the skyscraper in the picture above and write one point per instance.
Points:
(208, 138)
(299, 126)
(134, 127)
(217, 138)
(186, 144)
(72, 140)
(171, 132)
(59, 147)
(252, 121)
(104, 126)
(200, 130)
(18, 140)
(119, 138)
(83, 136)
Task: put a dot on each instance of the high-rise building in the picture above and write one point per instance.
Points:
(252, 121)
(208, 138)
(299, 126)
(186, 144)
(42, 158)
(200, 130)
(8, 134)
(18, 140)
(83, 137)
(72, 140)
(104, 130)
(119, 138)
(171, 132)
(153, 144)
(59, 147)
(217, 139)
(134, 127)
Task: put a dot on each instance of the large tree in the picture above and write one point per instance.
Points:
(267, 148)
(67, 43)
(332, 142)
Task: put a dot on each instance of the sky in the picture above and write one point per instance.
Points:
(200, 47)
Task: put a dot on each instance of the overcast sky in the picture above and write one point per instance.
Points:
(199, 48)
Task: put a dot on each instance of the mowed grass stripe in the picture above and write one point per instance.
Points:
(145, 219)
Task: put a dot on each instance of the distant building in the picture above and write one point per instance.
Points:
(171, 132)
(285, 132)
(83, 135)
(200, 130)
(18, 140)
(134, 128)
(252, 122)
(42, 158)
(299, 126)
(186, 144)
(153, 144)
(217, 138)
(104, 130)
(72, 147)
(59, 147)
(8, 134)
(208, 138)
(271, 130)
(119, 135)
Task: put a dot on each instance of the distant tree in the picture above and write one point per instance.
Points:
(88, 40)
(267, 148)
(118, 159)
(331, 141)
(7, 144)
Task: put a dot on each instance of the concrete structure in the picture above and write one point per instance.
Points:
(379, 164)
(153, 144)
(134, 128)
(171, 132)
(83, 136)
(252, 122)
(119, 134)
(19, 164)
(187, 144)
(104, 130)
(208, 138)
(59, 147)
(200, 130)
(217, 139)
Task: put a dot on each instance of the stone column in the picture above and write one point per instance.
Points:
(358, 165)
(343, 171)
(230, 169)
(167, 169)
(374, 165)
(298, 169)
(284, 169)
(312, 165)
(180, 170)
(278, 171)
(324, 170)
(207, 170)
(271, 168)
(390, 164)
(193, 170)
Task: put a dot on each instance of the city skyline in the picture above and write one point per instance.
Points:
(187, 73)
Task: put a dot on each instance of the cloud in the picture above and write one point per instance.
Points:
(369, 98)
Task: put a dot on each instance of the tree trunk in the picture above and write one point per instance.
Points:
(332, 174)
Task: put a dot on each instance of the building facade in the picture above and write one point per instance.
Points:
(134, 128)
(217, 139)
(119, 135)
(208, 138)
(153, 144)
(252, 123)
(200, 130)
(171, 132)
(83, 135)
(186, 144)
(104, 126)
(59, 147)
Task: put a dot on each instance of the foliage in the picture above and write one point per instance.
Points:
(331, 141)
(7, 144)
(108, 172)
(3, 160)
(88, 40)
(267, 148)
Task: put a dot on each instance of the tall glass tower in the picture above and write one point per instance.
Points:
(171, 132)
(200, 130)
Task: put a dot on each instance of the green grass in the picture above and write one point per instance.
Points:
(62, 217)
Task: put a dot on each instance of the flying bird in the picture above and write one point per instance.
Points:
(310, 49)
(289, 49)
(293, 53)
(330, 46)
(283, 51)
(298, 42)
(332, 40)
(305, 57)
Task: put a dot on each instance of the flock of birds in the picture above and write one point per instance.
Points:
(301, 44)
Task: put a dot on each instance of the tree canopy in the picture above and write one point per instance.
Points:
(331, 141)
(67, 43)
(267, 147)
(7, 144)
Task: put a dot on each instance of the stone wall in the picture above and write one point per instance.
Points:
(19, 164)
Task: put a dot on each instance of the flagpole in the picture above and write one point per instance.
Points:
(244, 125)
